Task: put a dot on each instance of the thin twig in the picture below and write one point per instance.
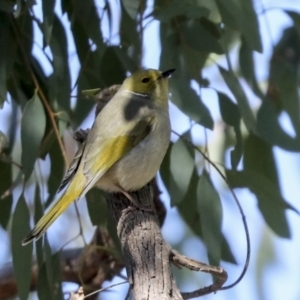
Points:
(104, 289)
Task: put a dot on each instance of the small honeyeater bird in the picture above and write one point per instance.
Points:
(124, 148)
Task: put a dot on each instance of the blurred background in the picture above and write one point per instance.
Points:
(235, 95)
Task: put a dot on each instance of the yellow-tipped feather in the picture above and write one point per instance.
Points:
(73, 192)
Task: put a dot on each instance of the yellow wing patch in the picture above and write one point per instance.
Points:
(99, 159)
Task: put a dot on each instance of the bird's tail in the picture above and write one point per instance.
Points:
(72, 193)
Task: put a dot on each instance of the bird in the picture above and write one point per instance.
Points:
(124, 148)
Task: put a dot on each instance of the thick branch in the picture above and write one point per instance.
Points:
(147, 255)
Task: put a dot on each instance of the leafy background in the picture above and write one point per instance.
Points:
(234, 94)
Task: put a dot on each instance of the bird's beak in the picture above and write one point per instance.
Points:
(167, 73)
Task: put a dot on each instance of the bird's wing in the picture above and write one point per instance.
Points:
(72, 168)
(103, 153)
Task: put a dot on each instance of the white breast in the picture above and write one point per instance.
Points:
(142, 162)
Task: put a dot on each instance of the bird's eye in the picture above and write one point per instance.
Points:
(145, 80)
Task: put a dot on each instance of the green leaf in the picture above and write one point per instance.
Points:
(179, 8)
(189, 210)
(43, 288)
(234, 13)
(3, 142)
(58, 44)
(132, 7)
(199, 39)
(48, 16)
(7, 7)
(56, 173)
(38, 213)
(110, 62)
(130, 36)
(4, 53)
(247, 68)
(231, 115)
(178, 184)
(210, 208)
(240, 97)
(32, 131)
(21, 255)
(229, 110)
(186, 99)
(270, 202)
(259, 157)
(269, 129)
(5, 186)
(97, 206)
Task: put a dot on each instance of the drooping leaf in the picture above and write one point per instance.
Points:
(259, 157)
(5, 186)
(3, 142)
(247, 68)
(180, 177)
(234, 13)
(240, 97)
(53, 272)
(268, 127)
(189, 211)
(57, 171)
(6, 6)
(187, 100)
(97, 207)
(112, 70)
(231, 115)
(43, 288)
(210, 208)
(38, 213)
(199, 39)
(21, 255)
(48, 14)
(4, 54)
(32, 131)
(130, 37)
(60, 81)
(270, 202)
(132, 7)
(179, 8)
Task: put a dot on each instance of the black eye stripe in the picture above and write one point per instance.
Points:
(145, 80)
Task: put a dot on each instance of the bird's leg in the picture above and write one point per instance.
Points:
(132, 200)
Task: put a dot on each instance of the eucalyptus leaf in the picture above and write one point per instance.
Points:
(270, 202)
(32, 131)
(234, 13)
(5, 186)
(43, 287)
(179, 8)
(97, 207)
(259, 157)
(57, 171)
(132, 7)
(60, 80)
(21, 255)
(209, 206)
(268, 127)
(186, 99)
(240, 97)
(181, 176)
(231, 115)
(3, 142)
(247, 68)
(199, 39)
(48, 13)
